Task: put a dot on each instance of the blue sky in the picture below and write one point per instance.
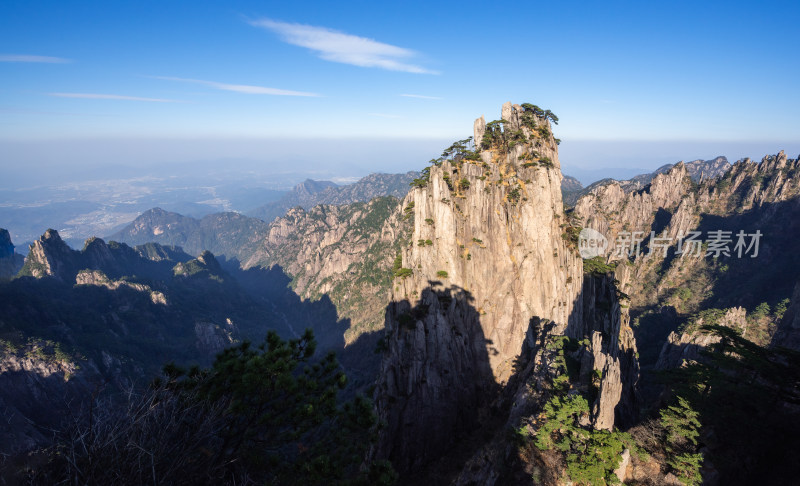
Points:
(715, 78)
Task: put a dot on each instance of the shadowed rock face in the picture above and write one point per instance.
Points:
(788, 332)
(6, 247)
(10, 262)
(602, 345)
(612, 352)
(435, 379)
(49, 256)
(685, 347)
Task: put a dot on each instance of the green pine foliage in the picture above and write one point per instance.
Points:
(737, 390)
(282, 420)
(591, 455)
(261, 414)
(681, 425)
(597, 266)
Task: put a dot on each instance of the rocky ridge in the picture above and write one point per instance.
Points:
(109, 316)
(746, 199)
(343, 253)
(312, 193)
(698, 170)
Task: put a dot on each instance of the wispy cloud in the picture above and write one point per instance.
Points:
(422, 97)
(240, 88)
(384, 115)
(29, 58)
(336, 46)
(101, 96)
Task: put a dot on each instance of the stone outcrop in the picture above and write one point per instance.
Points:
(605, 357)
(33, 384)
(610, 210)
(478, 129)
(748, 197)
(495, 232)
(49, 256)
(10, 262)
(685, 347)
(213, 338)
(98, 278)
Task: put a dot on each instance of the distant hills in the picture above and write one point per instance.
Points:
(231, 234)
(310, 193)
(237, 236)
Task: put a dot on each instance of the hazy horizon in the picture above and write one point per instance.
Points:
(340, 160)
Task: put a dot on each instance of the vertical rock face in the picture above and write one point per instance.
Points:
(603, 351)
(10, 262)
(478, 129)
(611, 352)
(487, 259)
(493, 229)
(610, 210)
(6, 247)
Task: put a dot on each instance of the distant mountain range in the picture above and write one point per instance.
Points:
(233, 235)
(310, 193)
(698, 170)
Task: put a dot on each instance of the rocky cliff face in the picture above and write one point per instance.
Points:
(35, 384)
(494, 228)
(10, 262)
(49, 256)
(668, 288)
(610, 210)
(601, 350)
(344, 253)
(488, 273)
(698, 170)
(749, 197)
(608, 349)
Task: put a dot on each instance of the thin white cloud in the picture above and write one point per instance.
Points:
(100, 96)
(240, 88)
(422, 97)
(335, 46)
(384, 115)
(29, 58)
